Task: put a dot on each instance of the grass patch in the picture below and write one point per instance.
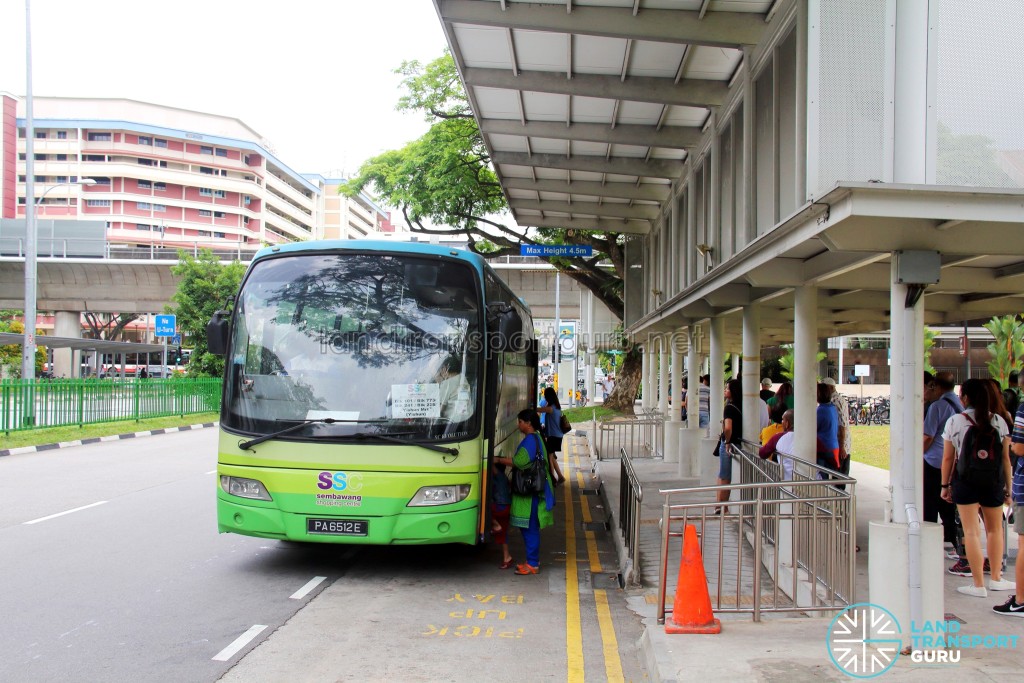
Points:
(38, 437)
(871, 445)
(586, 413)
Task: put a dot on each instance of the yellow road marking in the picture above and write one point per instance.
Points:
(573, 629)
(612, 664)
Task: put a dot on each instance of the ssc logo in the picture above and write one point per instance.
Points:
(340, 481)
(864, 640)
(982, 455)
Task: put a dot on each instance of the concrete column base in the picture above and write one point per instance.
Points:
(66, 324)
(708, 462)
(689, 451)
(889, 572)
(672, 453)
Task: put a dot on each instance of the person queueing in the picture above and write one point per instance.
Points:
(551, 409)
(1014, 607)
(944, 405)
(827, 430)
(501, 509)
(973, 491)
(530, 513)
(732, 433)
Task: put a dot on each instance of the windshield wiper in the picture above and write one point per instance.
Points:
(246, 445)
(403, 442)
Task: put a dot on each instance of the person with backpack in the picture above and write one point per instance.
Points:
(976, 475)
(1014, 606)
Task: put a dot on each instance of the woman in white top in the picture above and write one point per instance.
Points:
(986, 493)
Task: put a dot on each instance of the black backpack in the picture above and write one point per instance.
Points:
(981, 456)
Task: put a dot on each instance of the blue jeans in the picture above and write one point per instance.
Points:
(531, 537)
(703, 420)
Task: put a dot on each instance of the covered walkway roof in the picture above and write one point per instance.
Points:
(101, 345)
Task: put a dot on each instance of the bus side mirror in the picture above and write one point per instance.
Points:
(510, 331)
(217, 333)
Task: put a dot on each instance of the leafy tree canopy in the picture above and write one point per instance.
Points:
(204, 284)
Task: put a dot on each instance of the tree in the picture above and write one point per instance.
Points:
(929, 342)
(10, 355)
(204, 285)
(1008, 348)
(445, 178)
(108, 326)
(787, 360)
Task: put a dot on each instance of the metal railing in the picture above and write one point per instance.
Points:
(640, 437)
(797, 535)
(631, 497)
(40, 403)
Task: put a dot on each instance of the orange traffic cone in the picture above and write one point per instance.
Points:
(691, 610)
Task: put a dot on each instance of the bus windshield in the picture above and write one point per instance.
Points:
(380, 343)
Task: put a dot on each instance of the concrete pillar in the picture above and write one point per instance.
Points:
(645, 376)
(805, 346)
(708, 462)
(663, 359)
(65, 361)
(690, 436)
(673, 418)
(751, 371)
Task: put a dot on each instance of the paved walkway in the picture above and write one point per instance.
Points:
(790, 648)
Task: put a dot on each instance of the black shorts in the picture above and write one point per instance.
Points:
(553, 444)
(988, 495)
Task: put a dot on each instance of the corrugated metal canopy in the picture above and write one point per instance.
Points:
(590, 107)
(101, 345)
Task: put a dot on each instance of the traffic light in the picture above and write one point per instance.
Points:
(177, 356)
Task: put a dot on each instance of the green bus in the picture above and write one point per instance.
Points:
(367, 386)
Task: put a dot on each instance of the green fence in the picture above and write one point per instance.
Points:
(40, 403)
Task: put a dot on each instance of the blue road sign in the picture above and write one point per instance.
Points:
(570, 250)
(166, 325)
(176, 339)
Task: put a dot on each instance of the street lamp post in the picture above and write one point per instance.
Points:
(28, 359)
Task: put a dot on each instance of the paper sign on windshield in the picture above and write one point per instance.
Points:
(415, 400)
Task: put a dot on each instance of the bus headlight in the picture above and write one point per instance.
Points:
(244, 488)
(440, 495)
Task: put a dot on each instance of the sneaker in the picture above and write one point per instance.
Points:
(524, 569)
(1001, 585)
(952, 554)
(1010, 608)
(961, 568)
(973, 591)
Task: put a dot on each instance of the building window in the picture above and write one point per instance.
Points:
(143, 226)
(21, 156)
(203, 233)
(143, 206)
(220, 194)
(145, 185)
(40, 135)
(99, 137)
(220, 235)
(21, 179)
(145, 162)
(205, 213)
(62, 179)
(39, 157)
(203, 149)
(223, 172)
(206, 170)
(247, 200)
(94, 157)
(222, 152)
(160, 143)
(160, 187)
(159, 207)
(40, 178)
(97, 202)
(205, 192)
(62, 135)
(145, 140)
(62, 157)
(102, 181)
(218, 214)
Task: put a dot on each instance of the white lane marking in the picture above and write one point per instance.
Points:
(239, 642)
(304, 591)
(66, 512)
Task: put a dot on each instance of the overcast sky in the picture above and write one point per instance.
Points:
(314, 77)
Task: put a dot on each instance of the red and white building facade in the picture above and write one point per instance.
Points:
(168, 177)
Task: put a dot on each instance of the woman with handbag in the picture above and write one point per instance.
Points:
(531, 511)
(551, 410)
(732, 434)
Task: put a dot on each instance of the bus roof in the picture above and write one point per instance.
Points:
(475, 260)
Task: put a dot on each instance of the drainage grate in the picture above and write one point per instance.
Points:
(589, 492)
(594, 526)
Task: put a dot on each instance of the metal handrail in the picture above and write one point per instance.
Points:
(631, 496)
(811, 520)
(639, 436)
